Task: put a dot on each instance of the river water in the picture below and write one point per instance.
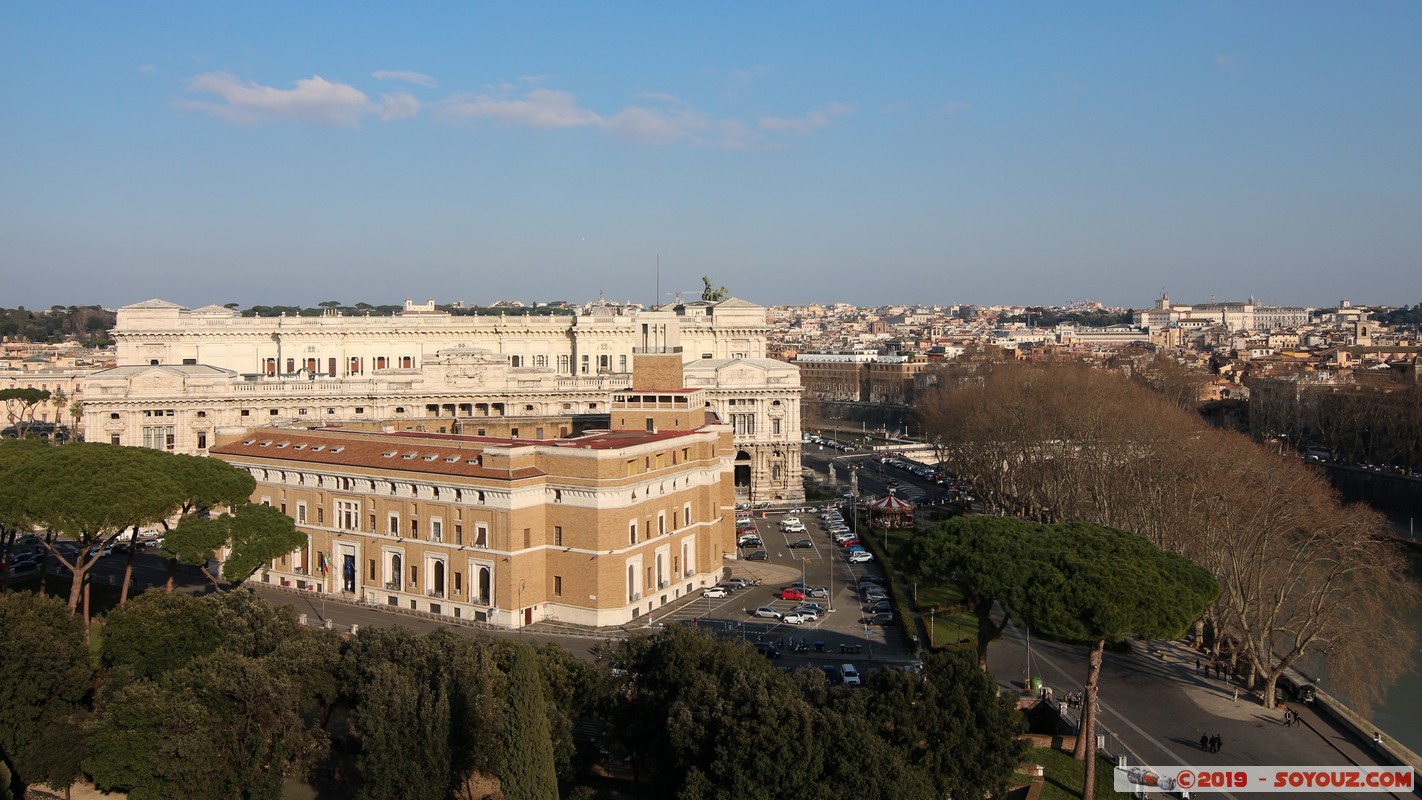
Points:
(1400, 712)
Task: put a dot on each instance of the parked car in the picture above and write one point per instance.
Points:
(848, 675)
(791, 593)
(880, 618)
(793, 527)
(801, 544)
(790, 520)
(742, 522)
(759, 555)
(818, 591)
(852, 541)
(24, 570)
(767, 649)
(101, 551)
(878, 606)
(739, 583)
(805, 614)
(716, 592)
(802, 586)
(793, 619)
(861, 557)
(767, 612)
(750, 541)
(831, 673)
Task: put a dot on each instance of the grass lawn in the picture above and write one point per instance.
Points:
(948, 628)
(1063, 781)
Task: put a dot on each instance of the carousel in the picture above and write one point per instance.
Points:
(891, 512)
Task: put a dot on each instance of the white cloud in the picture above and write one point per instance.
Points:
(147, 69)
(656, 126)
(731, 134)
(540, 108)
(954, 108)
(399, 105)
(406, 76)
(656, 118)
(313, 99)
(807, 123)
(1227, 59)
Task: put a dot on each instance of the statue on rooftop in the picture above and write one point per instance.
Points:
(713, 295)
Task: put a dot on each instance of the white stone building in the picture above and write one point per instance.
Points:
(184, 373)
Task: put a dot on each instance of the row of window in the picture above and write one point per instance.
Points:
(676, 523)
(348, 518)
(355, 365)
(648, 463)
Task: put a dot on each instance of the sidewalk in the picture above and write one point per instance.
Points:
(1155, 704)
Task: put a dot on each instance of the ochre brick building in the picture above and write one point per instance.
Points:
(596, 529)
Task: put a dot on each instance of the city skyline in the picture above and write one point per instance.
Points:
(268, 154)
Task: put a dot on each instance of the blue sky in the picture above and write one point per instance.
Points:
(873, 153)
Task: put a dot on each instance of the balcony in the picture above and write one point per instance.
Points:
(663, 584)
(634, 597)
(393, 586)
(689, 572)
(434, 593)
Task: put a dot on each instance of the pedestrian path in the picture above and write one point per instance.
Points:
(1156, 705)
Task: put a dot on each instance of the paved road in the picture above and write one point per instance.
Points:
(1158, 706)
(840, 631)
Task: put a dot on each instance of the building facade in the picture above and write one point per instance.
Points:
(1233, 316)
(597, 529)
(861, 376)
(184, 374)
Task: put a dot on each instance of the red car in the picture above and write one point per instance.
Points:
(791, 594)
(848, 543)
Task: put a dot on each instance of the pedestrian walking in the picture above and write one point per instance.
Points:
(1236, 695)
(1197, 666)
(1219, 743)
(1288, 718)
(1204, 741)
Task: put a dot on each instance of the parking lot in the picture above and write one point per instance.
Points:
(842, 631)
